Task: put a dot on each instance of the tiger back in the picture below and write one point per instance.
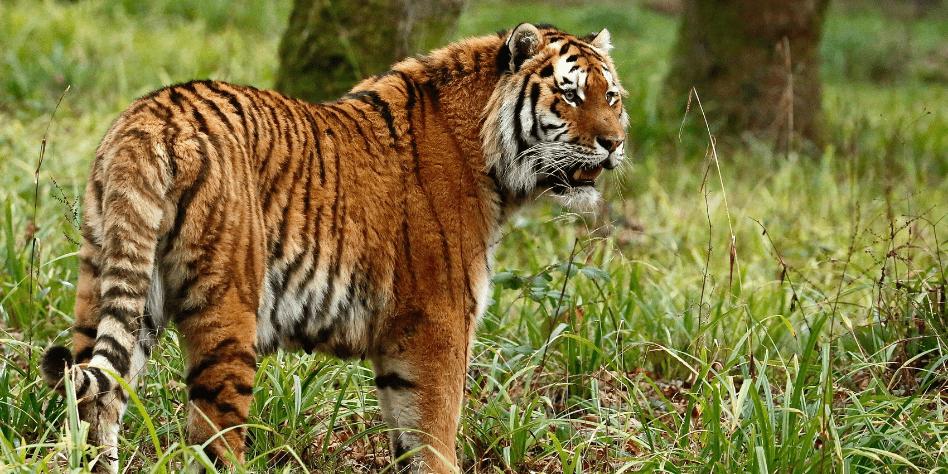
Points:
(362, 228)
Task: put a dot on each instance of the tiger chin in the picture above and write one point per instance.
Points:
(362, 228)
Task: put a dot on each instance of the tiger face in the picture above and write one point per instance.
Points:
(555, 120)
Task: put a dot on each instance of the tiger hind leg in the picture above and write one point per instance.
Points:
(221, 363)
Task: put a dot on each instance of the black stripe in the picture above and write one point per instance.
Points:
(431, 205)
(83, 387)
(275, 285)
(125, 274)
(204, 393)
(212, 358)
(290, 128)
(551, 126)
(534, 98)
(298, 332)
(284, 120)
(98, 188)
(100, 378)
(518, 127)
(312, 240)
(478, 59)
(122, 395)
(190, 194)
(413, 94)
(119, 291)
(176, 97)
(134, 132)
(84, 355)
(117, 354)
(270, 126)
(198, 116)
(337, 219)
(458, 63)
(319, 156)
(183, 312)
(211, 104)
(556, 101)
(393, 381)
(305, 234)
(372, 137)
(88, 331)
(294, 175)
(342, 109)
(410, 89)
(217, 356)
(401, 450)
(127, 318)
(231, 99)
(382, 107)
(274, 189)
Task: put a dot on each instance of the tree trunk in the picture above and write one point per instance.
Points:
(330, 45)
(755, 66)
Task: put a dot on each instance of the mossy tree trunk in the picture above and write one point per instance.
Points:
(330, 45)
(755, 66)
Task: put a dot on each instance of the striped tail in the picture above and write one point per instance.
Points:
(114, 332)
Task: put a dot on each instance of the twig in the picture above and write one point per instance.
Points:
(34, 238)
(559, 304)
(784, 273)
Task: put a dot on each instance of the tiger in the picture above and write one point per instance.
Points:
(362, 228)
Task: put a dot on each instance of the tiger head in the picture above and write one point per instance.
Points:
(555, 118)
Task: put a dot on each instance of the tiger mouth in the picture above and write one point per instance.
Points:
(575, 177)
(586, 177)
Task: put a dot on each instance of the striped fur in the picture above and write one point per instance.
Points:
(362, 227)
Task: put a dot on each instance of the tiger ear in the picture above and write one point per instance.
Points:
(603, 40)
(521, 45)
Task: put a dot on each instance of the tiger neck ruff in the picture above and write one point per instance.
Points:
(362, 227)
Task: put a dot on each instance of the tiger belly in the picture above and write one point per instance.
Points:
(329, 313)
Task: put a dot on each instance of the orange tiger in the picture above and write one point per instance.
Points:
(363, 227)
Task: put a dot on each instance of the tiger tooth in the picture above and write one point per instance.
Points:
(587, 175)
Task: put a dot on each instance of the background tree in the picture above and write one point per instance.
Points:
(755, 65)
(330, 45)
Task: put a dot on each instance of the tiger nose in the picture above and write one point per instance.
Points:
(610, 144)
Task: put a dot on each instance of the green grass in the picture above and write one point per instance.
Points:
(635, 341)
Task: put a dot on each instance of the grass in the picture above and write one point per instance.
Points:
(635, 341)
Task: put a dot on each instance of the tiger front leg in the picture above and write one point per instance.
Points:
(420, 377)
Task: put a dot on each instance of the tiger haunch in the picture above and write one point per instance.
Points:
(363, 227)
